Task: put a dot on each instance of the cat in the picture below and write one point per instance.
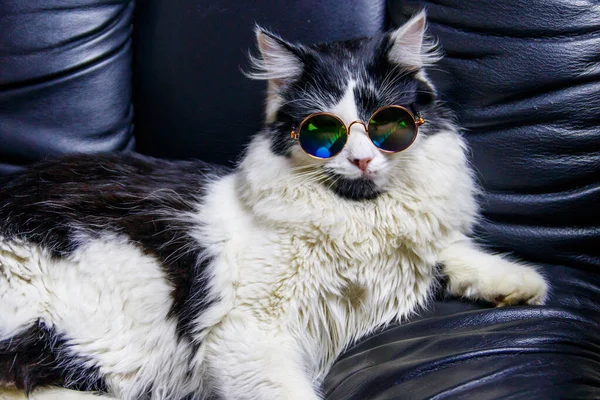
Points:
(146, 278)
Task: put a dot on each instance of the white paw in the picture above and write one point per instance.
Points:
(524, 286)
(506, 284)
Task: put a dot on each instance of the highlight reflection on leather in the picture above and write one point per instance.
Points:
(65, 79)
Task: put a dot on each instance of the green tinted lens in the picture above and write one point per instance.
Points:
(323, 136)
(392, 129)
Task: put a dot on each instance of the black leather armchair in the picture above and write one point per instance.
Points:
(162, 77)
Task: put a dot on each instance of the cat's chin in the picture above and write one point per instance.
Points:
(355, 189)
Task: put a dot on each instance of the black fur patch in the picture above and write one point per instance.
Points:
(39, 357)
(355, 189)
(56, 203)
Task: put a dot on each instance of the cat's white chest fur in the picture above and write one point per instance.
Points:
(327, 271)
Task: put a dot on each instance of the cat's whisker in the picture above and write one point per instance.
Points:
(304, 175)
(310, 180)
(303, 167)
(334, 182)
(391, 78)
(307, 171)
(309, 177)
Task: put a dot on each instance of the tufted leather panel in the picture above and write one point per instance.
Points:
(191, 97)
(65, 78)
(524, 80)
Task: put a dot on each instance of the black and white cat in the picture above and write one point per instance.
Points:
(146, 278)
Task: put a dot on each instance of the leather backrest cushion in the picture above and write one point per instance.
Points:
(191, 99)
(524, 79)
(65, 78)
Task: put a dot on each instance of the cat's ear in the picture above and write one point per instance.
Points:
(279, 61)
(410, 47)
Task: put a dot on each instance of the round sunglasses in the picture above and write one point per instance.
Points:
(391, 129)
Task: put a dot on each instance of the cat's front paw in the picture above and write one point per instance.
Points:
(504, 284)
(523, 285)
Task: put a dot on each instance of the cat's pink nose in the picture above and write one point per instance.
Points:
(362, 163)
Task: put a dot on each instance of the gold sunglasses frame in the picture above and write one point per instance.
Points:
(417, 118)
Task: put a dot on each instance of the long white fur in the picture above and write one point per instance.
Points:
(298, 273)
(276, 62)
(412, 48)
(276, 65)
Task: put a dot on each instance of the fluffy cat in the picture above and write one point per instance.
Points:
(145, 278)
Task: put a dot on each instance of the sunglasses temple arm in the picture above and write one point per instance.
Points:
(419, 119)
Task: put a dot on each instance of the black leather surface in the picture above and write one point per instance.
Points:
(529, 354)
(65, 78)
(524, 79)
(461, 350)
(191, 97)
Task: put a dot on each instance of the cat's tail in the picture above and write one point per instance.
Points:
(27, 359)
